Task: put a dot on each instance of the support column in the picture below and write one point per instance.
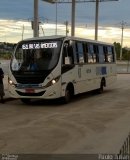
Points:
(36, 20)
(96, 20)
(73, 19)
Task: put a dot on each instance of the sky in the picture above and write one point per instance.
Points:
(16, 17)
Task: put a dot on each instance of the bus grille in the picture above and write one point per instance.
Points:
(30, 94)
(29, 79)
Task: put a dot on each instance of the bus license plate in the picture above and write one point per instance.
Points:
(29, 90)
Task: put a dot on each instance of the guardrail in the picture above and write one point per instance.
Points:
(123, 67)
(125, 149)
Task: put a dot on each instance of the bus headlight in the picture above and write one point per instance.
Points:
(53, 81)
(11, 82)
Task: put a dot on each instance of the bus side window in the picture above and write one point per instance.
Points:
(113, 51)
(96, 53)
(80, 52)
(91, 54)
(75, 51)
(67, 54)
(70, 54)
(110, 54)
(105, 53)
(101, 55)
(85, 49)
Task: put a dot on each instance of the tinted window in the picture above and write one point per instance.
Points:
(44, 54)
(110, 54)
(80, 52)
(101, 54)
(92, 54)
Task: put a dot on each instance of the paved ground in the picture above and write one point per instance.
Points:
(91, 123)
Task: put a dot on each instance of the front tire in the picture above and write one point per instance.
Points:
(67, 97)
(69, 93)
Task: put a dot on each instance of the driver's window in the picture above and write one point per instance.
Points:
(68, 53)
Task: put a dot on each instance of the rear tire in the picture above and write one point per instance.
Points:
(101, 89)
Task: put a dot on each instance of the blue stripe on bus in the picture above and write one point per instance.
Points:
(101, 71)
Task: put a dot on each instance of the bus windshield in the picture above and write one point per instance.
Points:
(36, 55)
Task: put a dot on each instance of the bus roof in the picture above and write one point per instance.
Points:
(65, 38)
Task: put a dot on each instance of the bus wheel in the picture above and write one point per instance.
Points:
(68, 95)
(25, 100)
(101, 89)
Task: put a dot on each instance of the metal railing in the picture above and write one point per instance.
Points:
(123, 67)
(125, 149)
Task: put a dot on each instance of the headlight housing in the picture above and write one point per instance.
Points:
(52, 82)
(11, 82)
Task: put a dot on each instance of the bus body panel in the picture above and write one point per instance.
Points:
(87, 77)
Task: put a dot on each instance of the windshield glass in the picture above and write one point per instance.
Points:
(36, 55)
